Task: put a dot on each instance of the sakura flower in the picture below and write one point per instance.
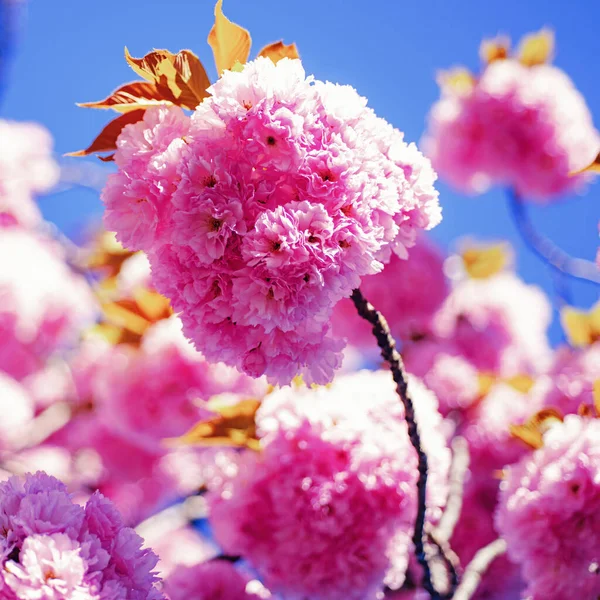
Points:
(207, 581)
(162, 390)
(17, 412)
(326, 510)
(521, 126)
(265, 209)
(549, 512)
(499, 324)
(26, 169)
(53, 548)
(43, 304)
(570, 381)
(408, 292)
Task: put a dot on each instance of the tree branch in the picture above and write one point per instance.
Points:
(387, 345)
(458, 470)
(477, 568)
(546, 249)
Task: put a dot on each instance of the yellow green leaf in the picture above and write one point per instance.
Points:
(459, 81)
(522, 383)
(486, 381)
(230, 43)
(484, 262)
(536, 48)
(278, 50)
(179, 78)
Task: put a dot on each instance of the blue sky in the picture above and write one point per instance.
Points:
(68, 51)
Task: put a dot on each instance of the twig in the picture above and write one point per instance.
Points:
(547, 250)
(48, 422)
(450, 561)
(458, 470)
(477, 568)
(387, 345)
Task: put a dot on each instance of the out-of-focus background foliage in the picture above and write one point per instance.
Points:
(66, 51)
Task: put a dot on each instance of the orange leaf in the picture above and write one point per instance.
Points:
(532, 432)
(596, 395)
(278, 50)
(230, 43)
(581, 327)
(107, 254)
(233, 426)
(152, 305)
(492, 50)
(107, 140)
(536, 48)
(139, 94)
(179, 78)
(593, 167)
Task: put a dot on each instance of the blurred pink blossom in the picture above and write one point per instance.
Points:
(549, 512)
(327, 508)
(523, 127)
(26, 169)
(43, 304)
(408, 292)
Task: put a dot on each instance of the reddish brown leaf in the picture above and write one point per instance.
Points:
(139, 94)
(278, 50)
(107, 140)
(594, 167)
(180, 77)
(230, 43)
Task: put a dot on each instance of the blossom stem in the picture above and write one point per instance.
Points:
(458, 471)
(556, 258)
(387, 345)
(477, 568)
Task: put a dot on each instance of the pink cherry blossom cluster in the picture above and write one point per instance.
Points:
(409, 292)
(128, 402)
(266, 208)
(495, 326)
(43, 304)
(26, 169)
(549, 512)
(326, 509)
(518, 126)
(53, 548)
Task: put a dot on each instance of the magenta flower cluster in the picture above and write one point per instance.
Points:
(326, 510)
(518, 126)
(265, 209)
(549, 513)
(52, 548)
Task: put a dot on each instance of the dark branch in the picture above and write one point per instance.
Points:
(387, 345)
(547, 250)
